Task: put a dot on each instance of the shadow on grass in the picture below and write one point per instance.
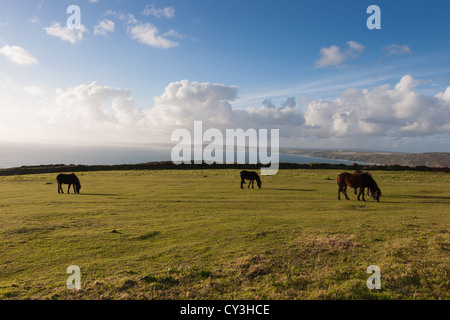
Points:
(99, 194)
(287, 189)
(436, 199)
(431, 199)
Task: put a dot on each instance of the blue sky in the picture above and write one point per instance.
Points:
(138, 69)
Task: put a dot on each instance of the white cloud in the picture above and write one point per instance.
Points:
(34, 90)
(18, 55)
(331, 56)
(103, 111)
(167, 12)
(148, 34)
(444, 96)
(104, 27)
(35, 19)
(354, 48)
(87, 104)
(174, 34)
(396, 49)
(129, 18)
(64, 33)
(334, 56)
(383, 111)
(184, 102)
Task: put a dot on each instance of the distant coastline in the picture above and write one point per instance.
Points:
(14, 155)
(428, 159)
(32, 155)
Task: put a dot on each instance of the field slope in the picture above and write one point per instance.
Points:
(194, 234)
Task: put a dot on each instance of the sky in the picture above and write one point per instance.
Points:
(133, 71)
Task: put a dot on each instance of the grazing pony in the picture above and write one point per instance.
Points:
(252, 176)
(358, 180)
(70, 179)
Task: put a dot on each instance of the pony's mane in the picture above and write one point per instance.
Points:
(373, 185)
(76, 179)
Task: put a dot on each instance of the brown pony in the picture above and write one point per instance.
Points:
(252, 176)
(70, 179)
(358, 180)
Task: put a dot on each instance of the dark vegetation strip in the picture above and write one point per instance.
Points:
(168, 165)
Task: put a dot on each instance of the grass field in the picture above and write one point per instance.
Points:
(194, 234)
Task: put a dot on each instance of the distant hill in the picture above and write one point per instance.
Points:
(429, 159)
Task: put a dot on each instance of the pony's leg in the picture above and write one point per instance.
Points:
(253, 181)
(68, 189)
(361, 193)
(345, 193)
(339, 193)
(242, 184)
(355, 191)
(60, 190)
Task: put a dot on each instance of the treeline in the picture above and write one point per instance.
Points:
(168, 165)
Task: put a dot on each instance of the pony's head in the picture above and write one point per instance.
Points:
(77, 185)
(376, 194)
(258, 181)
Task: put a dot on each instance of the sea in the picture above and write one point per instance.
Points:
(14, 155)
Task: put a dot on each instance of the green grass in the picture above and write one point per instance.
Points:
(194, 234)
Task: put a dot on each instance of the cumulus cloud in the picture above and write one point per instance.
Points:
(383, 111)
(334, 55)
(18, 55)
(34, 90)
(93, 105)
(148, 34)
(104, 27)
(386, 112)
(354, 48)
(396, 49)
(66, 34)
(129, 18)
(444, 96)
(183, 102)
(151, 10)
